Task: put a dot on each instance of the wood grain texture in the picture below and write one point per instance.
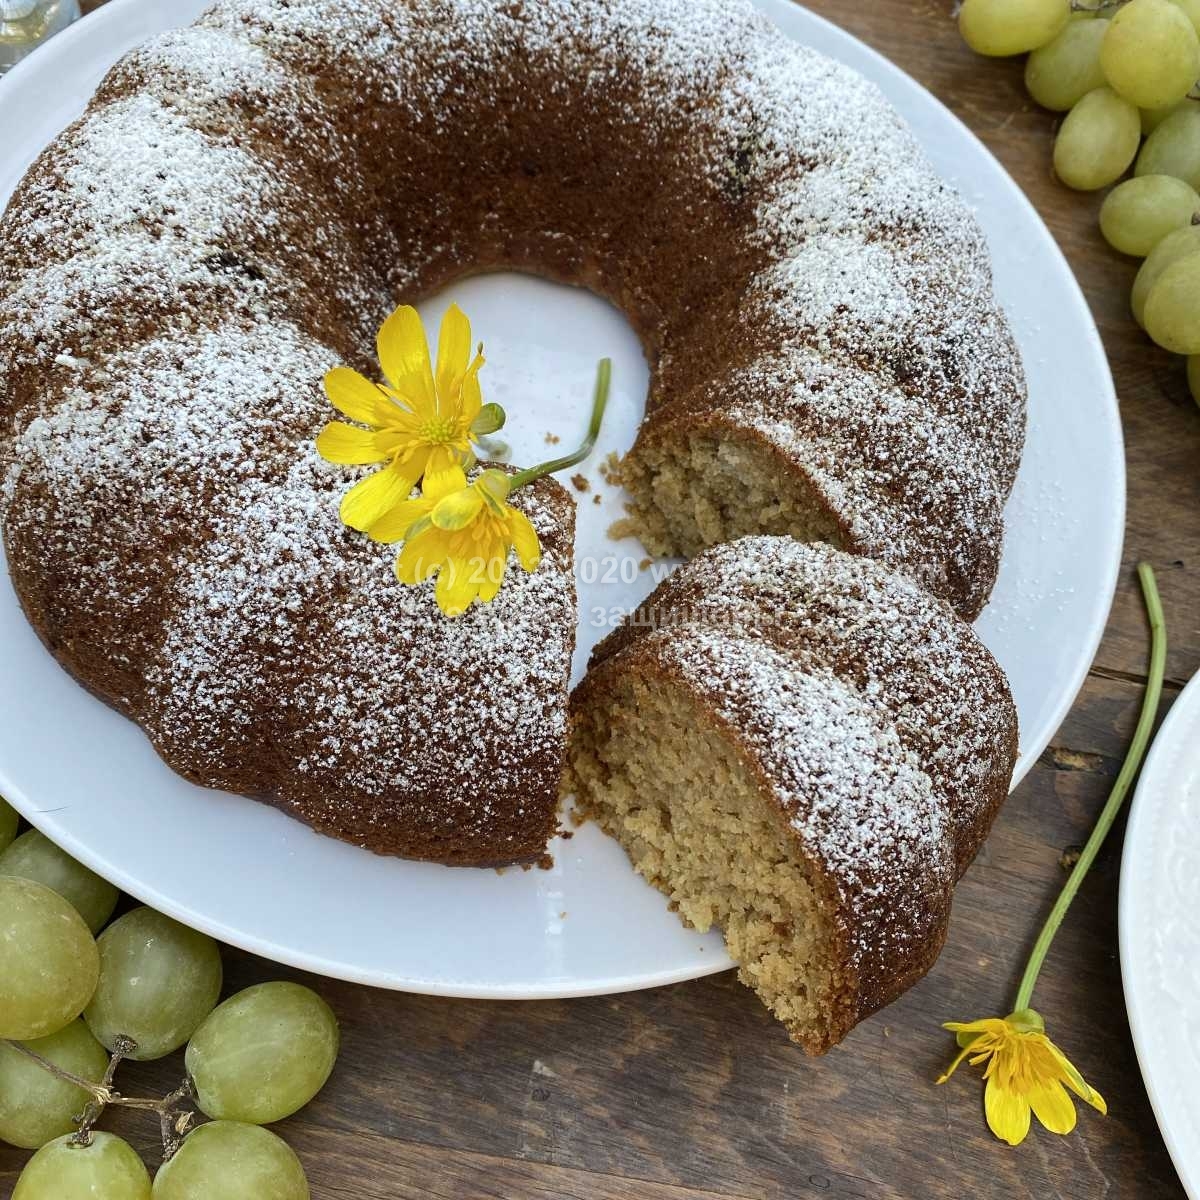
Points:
(692, 1092)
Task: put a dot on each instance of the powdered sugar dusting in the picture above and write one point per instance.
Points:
(857, 799)
(920, 668)
(219, 229)
(277, 617)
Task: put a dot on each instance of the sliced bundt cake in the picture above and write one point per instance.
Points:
(244, 201)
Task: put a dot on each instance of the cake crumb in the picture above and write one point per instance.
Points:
(552, 439)
(597, 498)
(581, 483)
(610, 468)
(623, 528)
(645, 564)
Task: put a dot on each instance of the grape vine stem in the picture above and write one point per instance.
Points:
(175, 1112)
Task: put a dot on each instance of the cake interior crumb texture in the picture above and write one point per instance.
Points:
(701, 491)
(680, 801)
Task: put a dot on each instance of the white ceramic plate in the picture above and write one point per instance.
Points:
(252, 877)
(1160, 931)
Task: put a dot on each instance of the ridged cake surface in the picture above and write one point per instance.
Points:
(245, 200)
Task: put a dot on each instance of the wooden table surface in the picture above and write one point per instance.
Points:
(692, 1092)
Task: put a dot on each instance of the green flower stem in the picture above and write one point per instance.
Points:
(1129, 769)
(599, 403)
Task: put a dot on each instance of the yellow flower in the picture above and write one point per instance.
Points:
(461, 533)
(422, 422)
(1026, 1072)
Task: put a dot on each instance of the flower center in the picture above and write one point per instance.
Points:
(439, 430)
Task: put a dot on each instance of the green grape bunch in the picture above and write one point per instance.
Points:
(1126, 76)
(79, 996)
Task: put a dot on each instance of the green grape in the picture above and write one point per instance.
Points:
(1173, 307)
(8, 823)
(1152, 118)
(228, 1160)
(1059, 74)
(1171, 249)
(1174, 147)
(158, 981)
(35, 856)
(1139, 213)
(1191, 10)
(35, 1106)
(1097, 141)
(48, 960)
(1151, 53)
(1194, 376)
(263, 1054)
(1003, 27)
(108, 1169)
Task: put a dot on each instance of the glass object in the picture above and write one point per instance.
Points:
(26, 24)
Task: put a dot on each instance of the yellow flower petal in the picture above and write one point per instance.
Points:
(524, 539)
(349, 445)
(457, 510)
(404, 356)
(1076, 1082)
(472, 393)
(394, 525)
(454, 351)
(358, 398)
(403, 421)
(1052, 1106)
(443, 473)
(493, 577)
(370, 499)
(955, 1064)
(1007, 1113)
(457, 586)
(992, 1025)
(418, 561)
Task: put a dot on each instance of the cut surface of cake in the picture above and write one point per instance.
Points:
(245, 200)
(804, 750)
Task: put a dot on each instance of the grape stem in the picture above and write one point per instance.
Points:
(104, 1094)
(98, 1092)
(175, 1112)
(1101, 6)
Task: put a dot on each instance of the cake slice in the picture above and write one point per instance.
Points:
(804, 750)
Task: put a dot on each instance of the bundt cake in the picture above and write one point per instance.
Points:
(247, 198)
(804, 749)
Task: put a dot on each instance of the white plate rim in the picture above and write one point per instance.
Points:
(1146, 933)
(1104, 408)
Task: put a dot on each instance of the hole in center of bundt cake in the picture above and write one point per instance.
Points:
(542, 341)
(647, 770)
